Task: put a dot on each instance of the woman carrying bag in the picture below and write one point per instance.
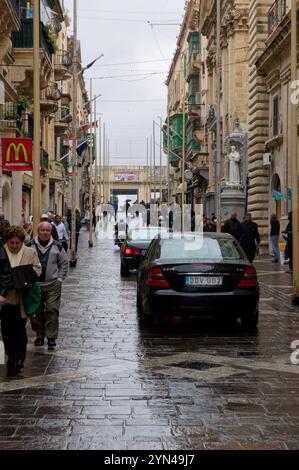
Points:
(25, 269)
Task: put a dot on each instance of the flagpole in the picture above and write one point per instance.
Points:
(90, 242)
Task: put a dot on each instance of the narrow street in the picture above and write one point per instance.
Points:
(110, 385)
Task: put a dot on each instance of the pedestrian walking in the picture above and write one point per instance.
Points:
(288, 236)
(249, 237)
(78, 227)
(233, 226)
(62, 233)
(274, 236)
(87, 219)
(54, 262)
(13, 313)
(46, 218)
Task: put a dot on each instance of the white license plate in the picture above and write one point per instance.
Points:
(204, 281)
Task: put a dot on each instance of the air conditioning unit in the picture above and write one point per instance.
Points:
(267, 159)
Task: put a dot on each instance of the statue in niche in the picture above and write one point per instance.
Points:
(234, 159)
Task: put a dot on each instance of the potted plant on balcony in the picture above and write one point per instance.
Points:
(23, 103)
(52, 37)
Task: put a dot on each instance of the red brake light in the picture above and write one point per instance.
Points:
(249, 279)
(131, 251)
(156, 278)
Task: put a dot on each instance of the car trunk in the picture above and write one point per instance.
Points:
(184, 277)
(141, 245)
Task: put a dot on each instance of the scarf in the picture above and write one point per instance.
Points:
(14, 258)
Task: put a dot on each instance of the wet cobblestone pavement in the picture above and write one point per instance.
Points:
(111, 385)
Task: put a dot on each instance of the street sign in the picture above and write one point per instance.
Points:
(16, 154)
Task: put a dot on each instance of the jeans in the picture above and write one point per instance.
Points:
(274, 241)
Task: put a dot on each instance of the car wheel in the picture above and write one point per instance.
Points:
(124, 271)
(250, 322)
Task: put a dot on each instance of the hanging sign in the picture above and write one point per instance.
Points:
(16, 154)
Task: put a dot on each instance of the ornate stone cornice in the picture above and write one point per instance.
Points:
(235, 20)
(211, 60)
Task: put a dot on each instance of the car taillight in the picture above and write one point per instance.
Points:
(249, 278)
(131, 251)
(156, 278)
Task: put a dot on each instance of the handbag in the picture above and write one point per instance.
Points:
(23, 277)
(32, 299)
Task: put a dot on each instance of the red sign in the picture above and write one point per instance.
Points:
(16, 154)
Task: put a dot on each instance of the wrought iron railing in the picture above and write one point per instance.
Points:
(53, 92)
(63, 58)
(276, 13)
(63, 115)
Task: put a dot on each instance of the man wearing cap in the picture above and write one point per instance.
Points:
(45, 218)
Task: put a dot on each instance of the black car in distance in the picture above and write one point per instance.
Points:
(197, 275)
(135, 247)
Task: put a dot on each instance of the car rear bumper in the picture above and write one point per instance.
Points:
(131, 262)
(220, 304)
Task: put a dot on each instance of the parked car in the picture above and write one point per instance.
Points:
(135, 247)
(197, 275)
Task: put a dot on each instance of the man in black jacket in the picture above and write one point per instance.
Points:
(233, 226)
(249, 237)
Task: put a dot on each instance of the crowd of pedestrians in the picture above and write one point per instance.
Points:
(32, 271)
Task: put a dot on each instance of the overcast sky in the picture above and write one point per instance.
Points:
(133, 98)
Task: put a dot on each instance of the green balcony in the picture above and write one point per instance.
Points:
(23, 39)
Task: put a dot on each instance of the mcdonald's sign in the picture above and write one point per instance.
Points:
(16, 154)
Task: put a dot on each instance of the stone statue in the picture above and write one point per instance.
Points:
(234, 167)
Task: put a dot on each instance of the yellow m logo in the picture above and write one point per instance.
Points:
(17, 151)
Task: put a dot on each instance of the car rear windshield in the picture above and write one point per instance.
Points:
(145, 234)
(201, 248)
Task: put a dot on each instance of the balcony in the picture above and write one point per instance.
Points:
(57, 172)
(51, 96)
(44, 161)
(22, 73)
(8, 117)
(62, 64)
(62, 120)
(194, 64)
(23, 39)
(277, 12)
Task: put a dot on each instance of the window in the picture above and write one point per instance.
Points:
(275, 116)
(200, 249)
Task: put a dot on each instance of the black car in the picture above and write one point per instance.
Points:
(197, 275)
(135, 247)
